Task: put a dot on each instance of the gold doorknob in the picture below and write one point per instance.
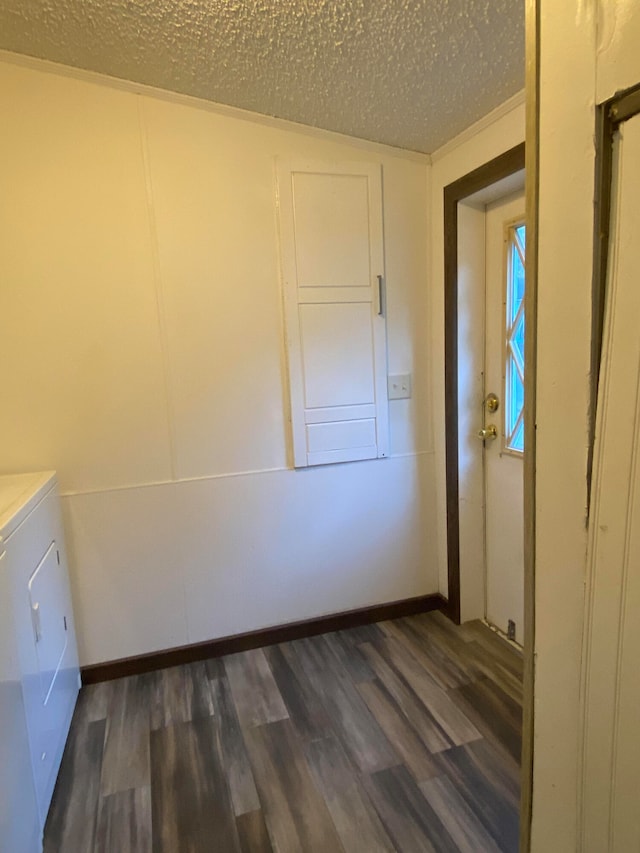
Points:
(488, 433)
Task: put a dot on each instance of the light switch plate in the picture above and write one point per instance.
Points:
(399, 386)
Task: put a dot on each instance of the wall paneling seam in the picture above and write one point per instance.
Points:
(162, 321)
(158, 289)
(224, 476)
(285, 384)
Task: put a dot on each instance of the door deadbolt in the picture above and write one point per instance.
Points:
(492, 403)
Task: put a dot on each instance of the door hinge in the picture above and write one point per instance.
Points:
(511, 630)
(65, 622)
(58, 557)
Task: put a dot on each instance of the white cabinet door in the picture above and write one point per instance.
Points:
(333, 271)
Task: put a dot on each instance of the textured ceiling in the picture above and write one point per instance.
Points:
(411, 73)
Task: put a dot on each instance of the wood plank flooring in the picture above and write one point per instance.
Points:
(400, 736)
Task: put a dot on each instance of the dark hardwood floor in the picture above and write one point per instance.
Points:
(402, 736)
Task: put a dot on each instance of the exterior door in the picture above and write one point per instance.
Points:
(503, 415)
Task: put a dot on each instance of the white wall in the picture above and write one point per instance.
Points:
(141, 335)
(497, 133)
(617, 39)
(587, 52)
(566, 179)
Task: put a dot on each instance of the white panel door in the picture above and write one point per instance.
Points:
(503, 466)
(332, 229)
(348, 358)
(611, 756)
(332, 261)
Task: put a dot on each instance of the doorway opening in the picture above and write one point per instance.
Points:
(465, 207)
(491, 365)
(494, 176)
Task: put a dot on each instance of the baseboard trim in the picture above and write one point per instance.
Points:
(263, 637)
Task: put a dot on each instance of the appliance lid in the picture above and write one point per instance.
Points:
(19, 493)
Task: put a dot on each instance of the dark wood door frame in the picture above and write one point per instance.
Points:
(506, 164)
(609, 116)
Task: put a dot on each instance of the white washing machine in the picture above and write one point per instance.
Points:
(39, 677)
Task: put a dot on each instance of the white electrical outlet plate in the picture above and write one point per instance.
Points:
(399, 386)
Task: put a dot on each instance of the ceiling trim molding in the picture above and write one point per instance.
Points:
(81, 74)
(495, 115)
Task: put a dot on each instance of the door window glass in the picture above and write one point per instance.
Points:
(514, 337)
